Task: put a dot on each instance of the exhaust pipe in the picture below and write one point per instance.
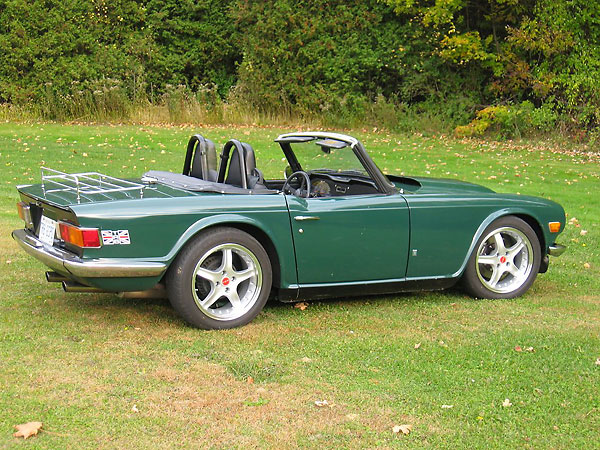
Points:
(73, 286)
(53, 277)
(157, 291)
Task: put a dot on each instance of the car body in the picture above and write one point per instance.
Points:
(223, 241)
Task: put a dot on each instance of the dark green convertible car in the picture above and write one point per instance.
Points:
(220, 239)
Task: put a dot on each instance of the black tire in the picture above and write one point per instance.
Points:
(201, 282)
(496, 269)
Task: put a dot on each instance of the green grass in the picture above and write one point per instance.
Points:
(80, 362)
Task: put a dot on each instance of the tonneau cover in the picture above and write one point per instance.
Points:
(197, 185)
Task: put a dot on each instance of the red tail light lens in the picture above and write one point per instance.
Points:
(81, 237)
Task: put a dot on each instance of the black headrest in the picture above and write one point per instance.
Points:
(201, 159)
(235, 177)
(242, 165)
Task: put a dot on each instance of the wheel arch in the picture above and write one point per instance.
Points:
(242, 223)
(523, 215)
(536, 226)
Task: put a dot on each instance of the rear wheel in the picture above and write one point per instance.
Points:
(221, 279)
(505, 261)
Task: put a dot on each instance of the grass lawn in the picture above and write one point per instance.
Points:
(104, 372)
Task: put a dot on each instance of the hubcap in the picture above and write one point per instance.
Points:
(504, 260)
(227, 282)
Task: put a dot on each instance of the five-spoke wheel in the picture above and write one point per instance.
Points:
(227, 281)
(505, 261)
(222, 279)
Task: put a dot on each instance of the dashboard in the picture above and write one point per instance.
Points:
(333, 185)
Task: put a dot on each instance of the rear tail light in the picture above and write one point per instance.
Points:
(81, 237)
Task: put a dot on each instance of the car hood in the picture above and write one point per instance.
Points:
(443, 185)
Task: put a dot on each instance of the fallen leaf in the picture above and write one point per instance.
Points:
(447, 406)
(250, 380)
(135, 409)
(417, 346)
(306, 359)
(586, 265)
(518, 348)
(555, 428)
(301, 306)
(404, 429)
(598, 362)
(583, 232)
(322, 403)
(28, 429)
(506, 403)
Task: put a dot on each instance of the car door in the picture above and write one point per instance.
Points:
(349, 239)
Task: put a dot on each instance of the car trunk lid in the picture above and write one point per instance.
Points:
(64, 197)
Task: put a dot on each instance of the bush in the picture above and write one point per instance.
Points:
(509, 121)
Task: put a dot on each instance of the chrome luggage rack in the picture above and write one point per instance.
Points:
(85, 183)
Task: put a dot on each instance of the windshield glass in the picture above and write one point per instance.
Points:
(328, 155)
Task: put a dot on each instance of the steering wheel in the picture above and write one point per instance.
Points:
(303, 190)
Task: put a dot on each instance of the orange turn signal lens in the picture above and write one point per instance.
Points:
(554, 227)
(25, 214)
(81, 237)
(20, 206)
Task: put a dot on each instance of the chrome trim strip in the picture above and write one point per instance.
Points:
(96, 268)
(301, 218)
(556, 249)
(321, 135)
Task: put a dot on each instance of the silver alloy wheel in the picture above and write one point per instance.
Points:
(227, 281)
(504, 260)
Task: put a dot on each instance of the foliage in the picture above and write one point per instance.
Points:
(508, 121)
(545, 52)
(392, 63)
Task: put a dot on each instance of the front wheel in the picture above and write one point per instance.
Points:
(505, 260)
(222, 279)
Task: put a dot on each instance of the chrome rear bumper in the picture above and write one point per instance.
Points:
(65, 262)
(556, 249)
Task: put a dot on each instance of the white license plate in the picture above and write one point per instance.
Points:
(47, 230)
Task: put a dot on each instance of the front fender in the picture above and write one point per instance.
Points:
(445, 229)
(548, 238)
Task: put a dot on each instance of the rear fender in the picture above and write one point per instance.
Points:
(282, 245)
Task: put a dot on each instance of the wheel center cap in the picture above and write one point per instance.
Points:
(502, 260)
(225, 281)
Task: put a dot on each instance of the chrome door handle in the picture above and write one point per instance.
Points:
(302, 218)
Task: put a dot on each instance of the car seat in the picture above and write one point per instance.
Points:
(242, 171)
(201, 159)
